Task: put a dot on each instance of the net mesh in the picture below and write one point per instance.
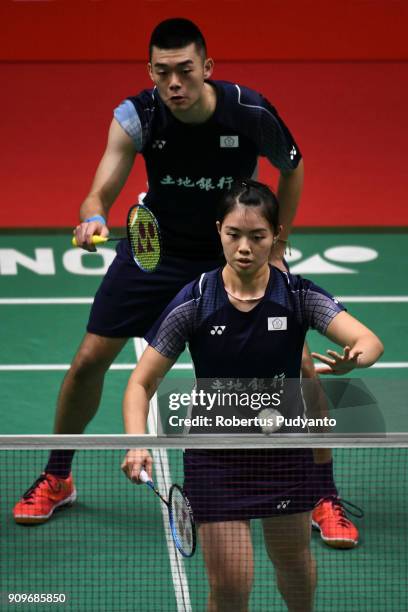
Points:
(112, 551)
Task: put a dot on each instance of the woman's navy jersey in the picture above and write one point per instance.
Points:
(190, 165)
(232, 348)
(265, 343)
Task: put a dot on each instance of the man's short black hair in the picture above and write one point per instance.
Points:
(177, 33)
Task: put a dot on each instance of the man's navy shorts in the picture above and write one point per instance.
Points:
(129, 301)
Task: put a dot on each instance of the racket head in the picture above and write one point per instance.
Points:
(181, 522)
(144, 237)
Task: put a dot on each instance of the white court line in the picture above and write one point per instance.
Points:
(373, 299)
(367, 299)
(53, 300)
(65, 366)
(130, 366)
(390, 364)
(163, 479)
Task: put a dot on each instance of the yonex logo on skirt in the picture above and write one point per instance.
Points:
(277, 323)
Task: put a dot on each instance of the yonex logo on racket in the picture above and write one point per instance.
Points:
(147, 233)
(217, 330)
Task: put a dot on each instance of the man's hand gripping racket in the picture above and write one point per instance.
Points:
(142, 232)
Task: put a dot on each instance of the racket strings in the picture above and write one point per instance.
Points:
(182, 520)
(144, 238)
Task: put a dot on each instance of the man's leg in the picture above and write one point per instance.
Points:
(328, 516)
(77, 404)
(287, 541)
(82, 386)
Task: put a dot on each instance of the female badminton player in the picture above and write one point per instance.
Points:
(247, 321)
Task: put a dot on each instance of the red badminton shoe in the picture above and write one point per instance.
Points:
(48, 493)
(336, 530)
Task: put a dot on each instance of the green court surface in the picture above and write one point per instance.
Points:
(46, 288)
(108, 552)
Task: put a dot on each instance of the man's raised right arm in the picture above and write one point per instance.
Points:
(110, 177)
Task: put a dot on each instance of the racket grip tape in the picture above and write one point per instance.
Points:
(144, 477)
(96, 239)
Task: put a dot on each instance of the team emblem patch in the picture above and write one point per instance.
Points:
(229, 142)
(277, 323)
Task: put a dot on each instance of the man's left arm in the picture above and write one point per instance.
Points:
(280, 148)
(289, 192)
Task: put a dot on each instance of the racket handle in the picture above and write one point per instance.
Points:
(144, 477)
(96, 239)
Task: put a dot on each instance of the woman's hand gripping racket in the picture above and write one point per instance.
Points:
(181, 519)
(143, 235)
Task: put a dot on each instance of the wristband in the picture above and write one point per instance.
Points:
(96, 218)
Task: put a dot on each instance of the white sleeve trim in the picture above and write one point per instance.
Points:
(127, 117)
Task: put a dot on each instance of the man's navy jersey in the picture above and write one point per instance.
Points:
(227, 344)
(190, 165)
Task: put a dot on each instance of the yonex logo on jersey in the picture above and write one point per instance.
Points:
(292, 153)
(229, 142)
(277, 323)
(158, 144)
(217, 329)
(283, 504)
